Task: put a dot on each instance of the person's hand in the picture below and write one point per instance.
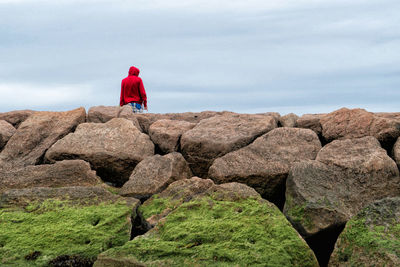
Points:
(146, 109)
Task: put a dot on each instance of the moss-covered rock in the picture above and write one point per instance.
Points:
(216, 228)
(53, 231)
(371, 238)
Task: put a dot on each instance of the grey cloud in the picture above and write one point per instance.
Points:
(327, 54)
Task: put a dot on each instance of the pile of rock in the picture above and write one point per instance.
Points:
(320, 170)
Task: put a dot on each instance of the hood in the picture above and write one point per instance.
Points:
(133, 71)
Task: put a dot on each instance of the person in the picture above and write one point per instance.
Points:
(133, 92)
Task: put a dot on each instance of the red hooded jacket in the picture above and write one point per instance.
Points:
(132, 89)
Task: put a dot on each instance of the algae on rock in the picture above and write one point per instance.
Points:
(210, 231)
(38, 233)
(371, 238)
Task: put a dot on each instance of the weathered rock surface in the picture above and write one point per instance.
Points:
(63, 173)
(6, 132)
(389, 115)
(214, 137)
(289, 120)
(371, 238)
(346, 176)
(16, 117)
(36, 134)
(147, 119)
(102, 114)
(265, 164)
(113, 148)
(167, 133)
(275, 115)
(74, 194)
(154, 174)
(396, 152)
(226, 225)
(310, 121)
(355, 123)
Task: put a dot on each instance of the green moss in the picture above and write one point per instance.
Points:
(207, 232)
(360, 240)
(155, 206)
(297, 213)
(40, 232)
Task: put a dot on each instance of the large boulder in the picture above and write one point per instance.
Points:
(6, 132)
(167, 133)
(88, 195)
(37, 134)
(289, 120)
(16, 117)
(355, 123)
(310, 121)
(174, 195)
(371, 238)
(346, 176)
(226, 225)
(216, 136)
(396, 152)
(265, 164)
(113, 148)
(194, 117)
(66, 226)
(154, 174)
(389, 115)
(63, 173)
(102, 114)
(147, 119)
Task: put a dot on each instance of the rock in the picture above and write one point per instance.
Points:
(154, 174)
(265, 164)
(194, 117)
(389, 115)
(354, 123)
(147, 119)
(84, 220)
(371, 238)
(346, 176)
(36, 134)
(396, 152)
(113, 148)
(6, 131)
(89, 195)
(230, 192)
(173, 196)
(102, 114)
(275, 115)
(227, 225)
(63, 173)
(127, 113)
(167, 133)
(214, 137)
(16, 117)
(289, 120)
(310, 121)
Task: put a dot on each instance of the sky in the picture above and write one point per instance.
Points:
(300, 56)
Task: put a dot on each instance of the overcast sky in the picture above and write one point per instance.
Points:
(301, 56)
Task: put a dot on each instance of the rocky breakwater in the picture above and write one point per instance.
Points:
(112, 188)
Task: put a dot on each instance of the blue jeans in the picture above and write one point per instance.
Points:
(136, 108)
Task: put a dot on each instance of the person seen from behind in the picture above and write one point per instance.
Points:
(132, 91)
